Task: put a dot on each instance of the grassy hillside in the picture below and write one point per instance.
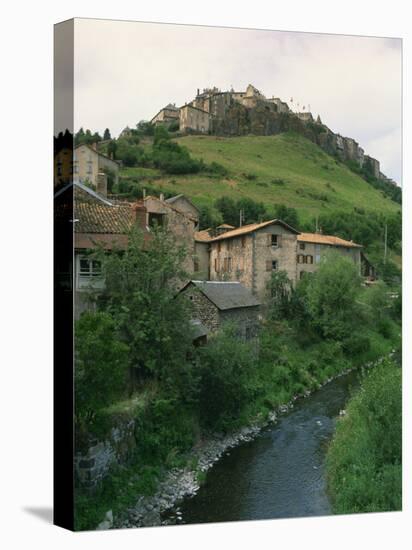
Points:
(284, 169)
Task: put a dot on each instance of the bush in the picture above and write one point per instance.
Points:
(227, 367)
(101, 364)
(364, 460)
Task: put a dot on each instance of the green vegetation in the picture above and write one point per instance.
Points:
(364, 461)
(326, 325)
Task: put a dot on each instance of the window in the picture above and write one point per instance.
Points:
(302, 274)
(309, 259)
(274, 265)
(216, 265)
(300, 258)
(89, 273)
(90, 167)
(219, 246)
(76, 167)
(302, 246)
(195, 264)
(274, 241)
(243, 242)
(156, 219)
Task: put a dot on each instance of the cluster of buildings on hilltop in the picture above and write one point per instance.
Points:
(205, 113)
(228, 268)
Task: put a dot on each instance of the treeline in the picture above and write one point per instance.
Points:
(364, 460)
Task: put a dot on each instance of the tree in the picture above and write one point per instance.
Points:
(331, 297)
(287, 214)
(209, 217)
(279, 289)
(253, 212)
(140, 295)
(228, 208)
(106, 134)
(101, 364)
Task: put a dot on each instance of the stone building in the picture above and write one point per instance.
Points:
(193, 119)
(167, 115)
(312, 247)
(250, 254)
(97, 222)
(216, 303)
(179, 220)
(184, 205)
(88, 163)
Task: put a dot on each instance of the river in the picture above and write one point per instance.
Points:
(281, 473)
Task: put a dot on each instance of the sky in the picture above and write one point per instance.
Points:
(125, 72)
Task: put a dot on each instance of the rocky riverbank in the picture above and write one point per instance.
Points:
(184, 483)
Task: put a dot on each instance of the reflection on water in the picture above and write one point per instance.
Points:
(280, 474)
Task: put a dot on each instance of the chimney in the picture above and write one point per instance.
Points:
(139, 213)
(162, 197)
(94, 146)
(144, 193)
(102, 184)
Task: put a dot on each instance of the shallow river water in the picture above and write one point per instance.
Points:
(281, 473)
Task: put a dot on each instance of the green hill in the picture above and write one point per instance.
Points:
(283, 169)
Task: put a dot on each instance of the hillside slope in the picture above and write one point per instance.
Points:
(284, 169)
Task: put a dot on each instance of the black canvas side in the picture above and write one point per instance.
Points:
(63, 276)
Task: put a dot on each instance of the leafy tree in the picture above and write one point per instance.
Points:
(287, 214)
(253, 212)
(226, 367)
(140, 295)
(209, 217)
(279, 289)
(106, 134)
(331, 297)
(101, 364)
(228, 208)
(112, 148)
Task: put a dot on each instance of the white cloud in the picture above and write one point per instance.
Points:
(126, 71)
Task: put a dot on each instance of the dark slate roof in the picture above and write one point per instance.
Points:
(226, 295)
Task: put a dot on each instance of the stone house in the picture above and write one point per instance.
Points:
(312, 247)
(250, 253)
(167, 115)
(184, 205)
(97, 222)
(88, 163)
(215, 303)
(180, 217)
(193, 119)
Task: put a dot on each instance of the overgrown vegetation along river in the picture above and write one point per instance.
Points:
(279, 474)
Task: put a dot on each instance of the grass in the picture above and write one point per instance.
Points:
(284, 169)
(364, 461)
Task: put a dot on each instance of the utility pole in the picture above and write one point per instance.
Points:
(386, 244)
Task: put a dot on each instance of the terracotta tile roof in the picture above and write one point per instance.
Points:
(203, 236)
(251, 228)
(96, 214)
(318, 238)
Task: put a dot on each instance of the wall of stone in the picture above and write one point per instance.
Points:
(245, 318)
(202, 261)
(202, 308)
(240, 252)
(195, 120)
(284, 254)
(317, 252)
(92, 465)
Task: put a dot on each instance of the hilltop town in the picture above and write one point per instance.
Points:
(231, 113)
